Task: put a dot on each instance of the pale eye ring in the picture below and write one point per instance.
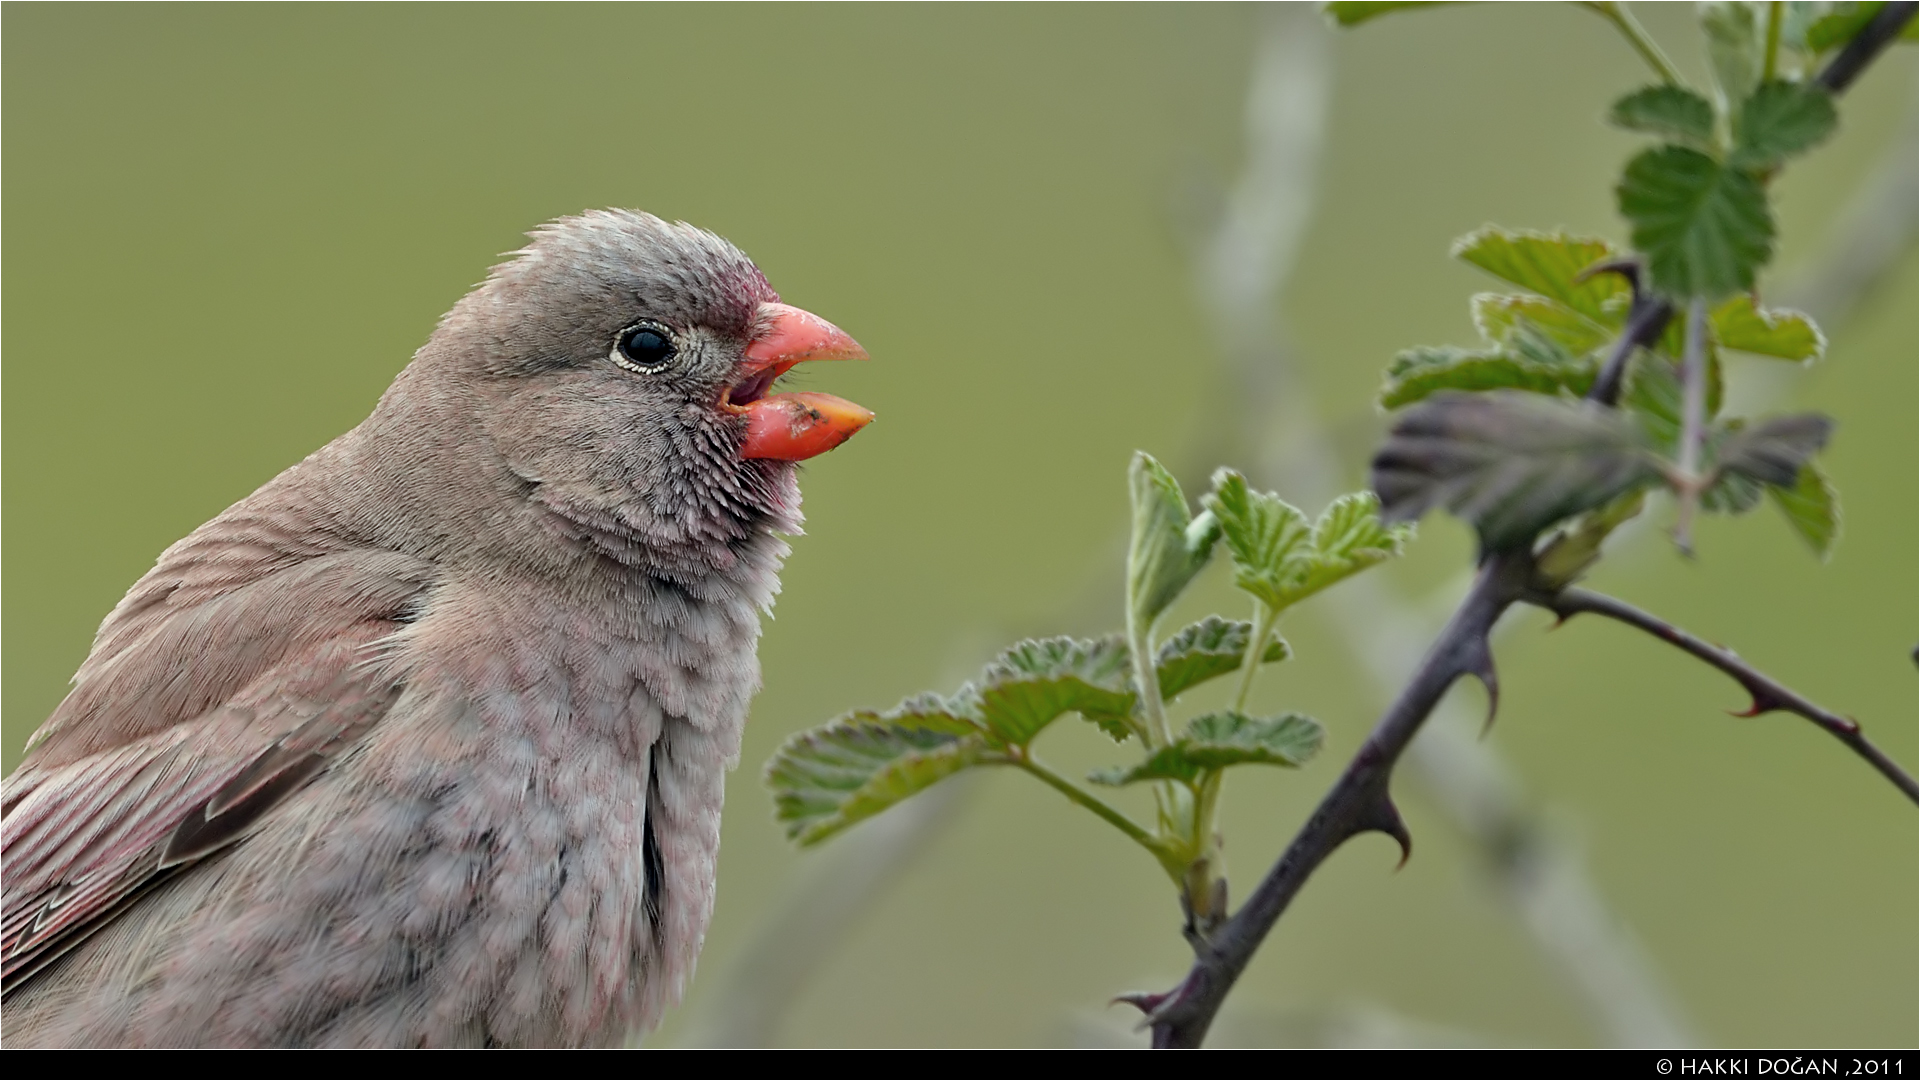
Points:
(644, 347)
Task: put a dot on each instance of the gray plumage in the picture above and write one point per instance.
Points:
(423, 742)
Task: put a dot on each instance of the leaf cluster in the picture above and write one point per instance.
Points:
(1499, 434)
(831, 777)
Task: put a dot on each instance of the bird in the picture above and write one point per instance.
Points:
(424, 742)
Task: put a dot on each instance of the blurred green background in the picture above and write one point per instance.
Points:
(227, 227)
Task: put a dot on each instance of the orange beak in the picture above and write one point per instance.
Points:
(792, 427)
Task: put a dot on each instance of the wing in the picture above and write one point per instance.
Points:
(105, 808)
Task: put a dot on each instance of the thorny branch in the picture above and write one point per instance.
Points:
(1768, 694)
(1360, 802)
(1242, 259)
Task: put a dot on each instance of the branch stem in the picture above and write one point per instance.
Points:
(1771, 64)
(1642, 42)
(1146, 680)
(1264, 618)
(1088, 799)
(1768, 693)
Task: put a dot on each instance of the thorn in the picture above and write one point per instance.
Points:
(1763, 702)
(1626, 268)
(1383, 816)
(1142, 1000)
(1479, 664)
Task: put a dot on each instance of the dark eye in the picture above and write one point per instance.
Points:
(643, 348)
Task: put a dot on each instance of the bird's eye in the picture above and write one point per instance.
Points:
(643, 348)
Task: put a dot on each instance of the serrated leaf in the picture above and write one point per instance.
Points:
(1773, 451)
(935, 712)
(1034, 683)
(1268, 538)
(1345, 13)
(1741, 324)
(1671, 112)
(1281, 560)
(1510, 464)
(1735, 40)
(1704, 228)
(826, 779)
(1419, 373)
(1223, 739)
(1549, 263)
(1782, 119)
(1348, 537)
(1507, 319)
(1169, 546)
(1812, 508)
(1207, 650)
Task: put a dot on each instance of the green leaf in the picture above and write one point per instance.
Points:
(1169, 545)
(1782, 119)
(1515, 321)
(1841, 24)
(1207, 650)
(1575, 549)
(1510, 464)
(1653, 396)
(1705, 228)
(1774, 450)
(1034, 683)
(1344, 13)
(1268, 538)
(1812, 508)
(1219, 740)
(1279, 559)
(1741, 324)
(1416, 374)
(1549, 263)
(1731, 493)
(828, 778)
(1348, 538)
(1736, 39)
(1668, 111)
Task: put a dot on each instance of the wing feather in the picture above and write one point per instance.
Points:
(114, 797)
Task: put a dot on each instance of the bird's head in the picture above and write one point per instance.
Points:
(622, 366)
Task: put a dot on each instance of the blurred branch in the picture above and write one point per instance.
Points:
(1240, 271)
(1865, 46)
(1868, 238)
(1768, 694)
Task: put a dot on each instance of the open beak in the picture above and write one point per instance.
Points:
(792, 427)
